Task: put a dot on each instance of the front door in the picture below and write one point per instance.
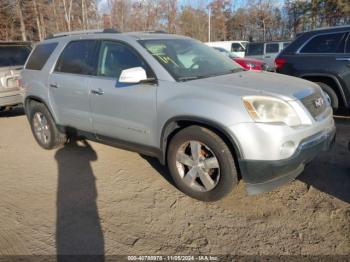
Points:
(122, 113)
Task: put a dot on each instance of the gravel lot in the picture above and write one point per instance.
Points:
(93, 199)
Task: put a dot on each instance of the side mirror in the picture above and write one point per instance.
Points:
(133, 75)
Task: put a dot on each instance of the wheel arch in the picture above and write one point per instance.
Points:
(30, 99)
(175, 124)
(330, 80)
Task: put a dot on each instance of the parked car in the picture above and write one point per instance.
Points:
(267, 51)
(321, 56)
(246, 63)
(235, 47)
(208, 121)
(13, 55)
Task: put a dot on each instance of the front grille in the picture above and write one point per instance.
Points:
(315, 103)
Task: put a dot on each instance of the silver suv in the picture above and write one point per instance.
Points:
(181, 101)
(13, 55)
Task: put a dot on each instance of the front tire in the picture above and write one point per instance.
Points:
(44, 127)
(201, 164)
(332, 95)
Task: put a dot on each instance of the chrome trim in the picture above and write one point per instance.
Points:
(343, 59)
(318, 138)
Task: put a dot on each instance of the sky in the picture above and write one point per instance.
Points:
(103, 6)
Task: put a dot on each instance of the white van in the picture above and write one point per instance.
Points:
(266, 51)
(236, 47)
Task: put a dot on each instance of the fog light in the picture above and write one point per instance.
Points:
(287, 149)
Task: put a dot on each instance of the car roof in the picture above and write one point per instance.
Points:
(227, 42)
(14, 43)
(328, 29)
(103, 33)
(271, 42)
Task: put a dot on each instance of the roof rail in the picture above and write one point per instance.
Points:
(152, 32)
(159, 32)
(81, 32)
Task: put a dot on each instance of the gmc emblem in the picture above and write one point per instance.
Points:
(318, 102)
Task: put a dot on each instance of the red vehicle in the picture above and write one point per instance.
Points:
(246, 63)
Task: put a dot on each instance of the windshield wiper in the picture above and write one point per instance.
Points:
(189, 78)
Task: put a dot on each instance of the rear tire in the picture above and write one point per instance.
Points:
(332, 95)
(201, 164)
(44, 127)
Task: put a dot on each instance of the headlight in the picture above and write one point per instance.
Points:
(271, 110)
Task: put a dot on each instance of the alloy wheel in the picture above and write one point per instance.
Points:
(198, 166)
(41, 128)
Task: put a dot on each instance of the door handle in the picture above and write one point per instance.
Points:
(98, 91)
(54, 85)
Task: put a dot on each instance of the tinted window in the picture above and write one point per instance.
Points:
(77, 58)
(40, 55)
(272, 48)
(237, 48)
(328, 43)
(255, 49)
(285, 45)
(13, 55)
(116, 57)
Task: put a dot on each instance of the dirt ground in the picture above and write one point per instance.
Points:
(94, 199)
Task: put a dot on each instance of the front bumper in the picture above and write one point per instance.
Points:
(262, 176)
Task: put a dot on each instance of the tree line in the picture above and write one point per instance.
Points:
(254, 20)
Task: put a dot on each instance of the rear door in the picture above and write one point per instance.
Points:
(324, 54)
(69, 84)
(343, 65)
(120, 112)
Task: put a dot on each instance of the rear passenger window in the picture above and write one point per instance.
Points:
(77, 58)
(328, 43)
(40, 55)
(255, 49)
(272, 48)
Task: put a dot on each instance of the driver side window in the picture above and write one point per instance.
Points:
(115, 57)
(237, 48)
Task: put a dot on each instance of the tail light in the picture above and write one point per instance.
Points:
(280, 62)
(20, 82)
(249, 65)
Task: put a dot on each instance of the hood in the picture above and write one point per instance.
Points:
(258, 83)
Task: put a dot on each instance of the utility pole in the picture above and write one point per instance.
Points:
(209, 18)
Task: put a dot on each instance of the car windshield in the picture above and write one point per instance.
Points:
(13, 55)
(187, 59)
